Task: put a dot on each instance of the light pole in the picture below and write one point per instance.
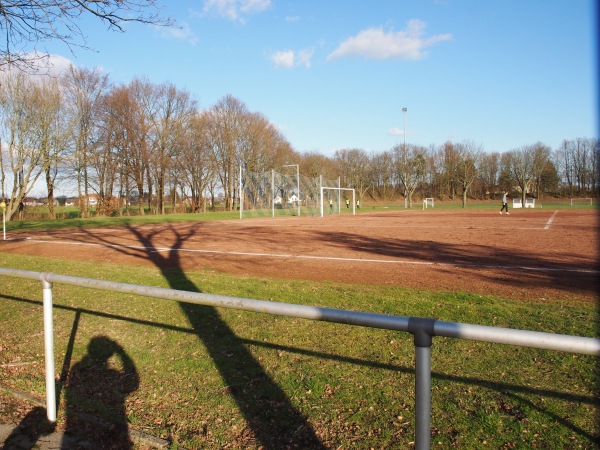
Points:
(405, 174)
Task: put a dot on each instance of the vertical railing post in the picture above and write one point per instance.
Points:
(49, 349)
(423, 330)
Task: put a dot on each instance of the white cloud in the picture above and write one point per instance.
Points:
(375, 43)
(58, 64)
(235, 10)
(254, 6)
(305, 58)
(45, 64)
(288, 59)
(396, 131)
(283, 59)
(182, 33)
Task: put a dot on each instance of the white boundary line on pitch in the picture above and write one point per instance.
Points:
(323, 258)
(550, 220)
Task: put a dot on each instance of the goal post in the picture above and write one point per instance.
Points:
(428, 202)
(339, 196)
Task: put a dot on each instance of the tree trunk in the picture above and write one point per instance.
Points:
(50, 186)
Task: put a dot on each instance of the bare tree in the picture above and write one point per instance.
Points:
(526, 165)
(20, 103)
(383, 173)
(116, 131)
(54, 133)
(548, 180)
(137, 118)
(354, 166)
(468, 159)
(129, 127)
(595, 167)
(436, 165)
(227, 118)
(27, 26)
(84, 89)
(173, 110)
(564, 162)
(449, 168)
(105, 157)
(490, 171)
(410, 164)
(195, 163)
(582, 152)
(262, 146)
(313, 164)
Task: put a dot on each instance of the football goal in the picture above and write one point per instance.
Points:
(331, 200)
(580, 202)
(530, 203)
(427, 203)
(278, 193)
(289, 193)
(517, 203)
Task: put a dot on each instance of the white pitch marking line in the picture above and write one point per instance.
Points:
(325, 258)
(550, 220)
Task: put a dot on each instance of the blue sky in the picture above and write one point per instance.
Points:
(336, 74)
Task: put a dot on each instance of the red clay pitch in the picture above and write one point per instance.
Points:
(530, 254)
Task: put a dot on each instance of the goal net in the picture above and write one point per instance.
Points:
(580, 202)
(284, 192)
(277, 193)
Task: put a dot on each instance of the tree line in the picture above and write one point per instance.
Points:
(150, 145)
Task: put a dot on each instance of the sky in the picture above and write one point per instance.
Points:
(337, 74)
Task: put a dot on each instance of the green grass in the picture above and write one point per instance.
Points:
(214, 378)
(550, 203)
(26, 225)
(69, 216)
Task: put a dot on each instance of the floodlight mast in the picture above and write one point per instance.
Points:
(297, 166)
(405, 174)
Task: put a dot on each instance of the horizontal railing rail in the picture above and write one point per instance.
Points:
(423, 330)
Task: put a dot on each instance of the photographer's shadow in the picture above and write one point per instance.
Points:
(97, 387)
(34, 426)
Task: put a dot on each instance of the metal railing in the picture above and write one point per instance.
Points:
(422, 329)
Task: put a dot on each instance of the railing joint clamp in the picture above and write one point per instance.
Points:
(422, 329)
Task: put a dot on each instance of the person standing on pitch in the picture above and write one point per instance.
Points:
(504, 203)
(330, 206)
(347, 204)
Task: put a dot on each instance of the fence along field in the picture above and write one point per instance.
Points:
(455, 251)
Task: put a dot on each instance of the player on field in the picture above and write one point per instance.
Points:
(504, 202)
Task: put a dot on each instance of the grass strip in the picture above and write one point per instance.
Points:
(214, 378)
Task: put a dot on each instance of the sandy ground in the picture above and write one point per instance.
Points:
(530, 254)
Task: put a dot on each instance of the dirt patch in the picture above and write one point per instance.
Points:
(529, 254)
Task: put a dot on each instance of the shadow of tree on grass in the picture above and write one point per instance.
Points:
(272, 420)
